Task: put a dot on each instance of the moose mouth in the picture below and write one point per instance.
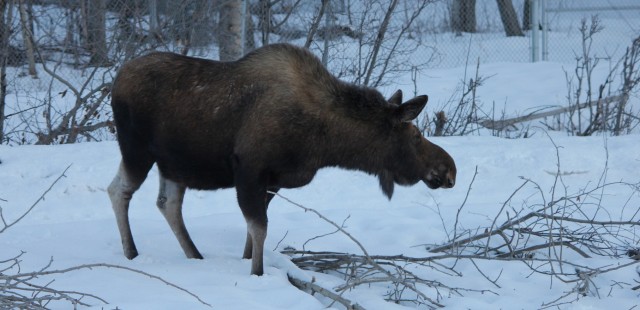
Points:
(435, 182)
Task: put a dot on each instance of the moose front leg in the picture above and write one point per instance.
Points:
(248, 245)
(251, 191)
(257, 231)
(255, 213)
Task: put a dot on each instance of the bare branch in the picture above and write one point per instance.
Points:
(316, 22)
(367, 269)
(101, 265)
(379, 39)
(7, 225)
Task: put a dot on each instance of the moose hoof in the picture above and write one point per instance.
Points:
(195, 256)
(257, 271)
(131, 255)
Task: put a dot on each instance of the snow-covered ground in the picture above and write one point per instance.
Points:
(74, 225)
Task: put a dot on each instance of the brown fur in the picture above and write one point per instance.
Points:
(267, 121)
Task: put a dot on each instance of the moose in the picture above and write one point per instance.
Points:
(265, 122)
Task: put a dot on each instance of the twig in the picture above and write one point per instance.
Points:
(342, 230)
(104, 265)
(324, 235)
(22, 278)
(367, 257)
(466, 196)
(490, 233)
(281, 239)
(494, 282)
(7, 225)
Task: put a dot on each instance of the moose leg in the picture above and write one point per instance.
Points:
(248, 245)
(120, 191)
(251, 192)
(169, 203)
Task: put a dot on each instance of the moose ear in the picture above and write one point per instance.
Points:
(396, 98)
(409, 110)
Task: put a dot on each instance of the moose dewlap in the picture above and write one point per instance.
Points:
(267, 121)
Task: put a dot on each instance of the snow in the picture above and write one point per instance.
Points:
(74, 224)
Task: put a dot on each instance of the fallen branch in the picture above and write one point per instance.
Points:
(538, 236)
(367, 269)
(15, 283)
(315, 288)
(504, 123)
(531, 224)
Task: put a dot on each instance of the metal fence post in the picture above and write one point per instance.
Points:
(545, 30)
(535, 32)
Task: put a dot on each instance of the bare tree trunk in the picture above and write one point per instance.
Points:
(153, 16)
(27, 35)
(526, 15)
(127, 38)
(94, 16)
(509, 18)
(5, 17)
(249, 42)
(463, 16)
(264, 20)
(230, 37)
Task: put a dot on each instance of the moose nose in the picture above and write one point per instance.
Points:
(450, 183)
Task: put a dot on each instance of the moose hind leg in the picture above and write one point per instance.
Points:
(120, 192)
(169, 203)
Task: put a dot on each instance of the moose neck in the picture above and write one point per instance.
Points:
(356, 137)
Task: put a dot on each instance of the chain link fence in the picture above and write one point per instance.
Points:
(560, 18)
(60, 56)
(564, 19)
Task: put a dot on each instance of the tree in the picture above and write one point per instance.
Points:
(230, 26)
(94, 31)
(249, 41)
(463, 16)
(509, 18)
(264, 20)
(526, 15)
(5, 17)
(27, 35)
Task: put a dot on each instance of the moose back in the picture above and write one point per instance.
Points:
(267, 121)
